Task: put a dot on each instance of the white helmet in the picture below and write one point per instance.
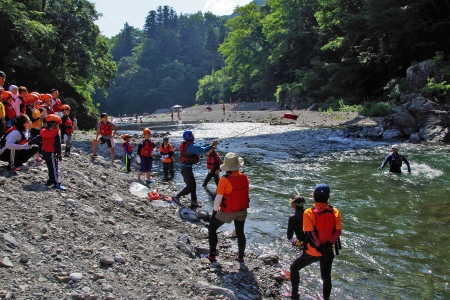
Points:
(395, 146)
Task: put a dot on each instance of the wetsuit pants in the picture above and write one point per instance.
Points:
(189, 180)
(168, 169)
(127, 163)
(214, 224)
(211, 174)
(51, 160)
(18, 157)
(325, 272)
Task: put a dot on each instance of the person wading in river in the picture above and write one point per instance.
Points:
(322, 225)
(395, 161)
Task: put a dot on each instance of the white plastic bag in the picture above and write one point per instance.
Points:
(139, 190)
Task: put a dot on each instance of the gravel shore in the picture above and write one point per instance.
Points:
(98, 241)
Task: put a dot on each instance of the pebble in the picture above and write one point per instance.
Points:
(76, 276)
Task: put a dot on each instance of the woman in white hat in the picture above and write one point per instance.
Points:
(230, 204)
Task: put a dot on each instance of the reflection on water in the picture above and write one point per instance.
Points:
(395, 227)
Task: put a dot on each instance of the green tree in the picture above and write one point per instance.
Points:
(211, 45)
(123, 43)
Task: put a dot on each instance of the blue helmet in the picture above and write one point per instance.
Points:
(188, 136)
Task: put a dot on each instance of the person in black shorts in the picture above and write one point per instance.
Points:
(107, 130)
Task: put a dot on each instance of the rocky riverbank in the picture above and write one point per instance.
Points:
(98, 241)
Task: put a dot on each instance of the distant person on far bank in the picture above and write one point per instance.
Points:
(189, 152)
(107, 130)
(395, 160)
(230, 204)
(223, 108)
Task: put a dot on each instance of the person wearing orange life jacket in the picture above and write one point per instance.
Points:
(56, 103)
(36, 116)
(189, 152)
(66, 129)
(105, 129)
(167, 155)
(128, 150)
(10, 112)
(51, 149)
(144, 156)
(213, 162)
(47, 107)
(322, 225)
(230, 204)
(14, 146)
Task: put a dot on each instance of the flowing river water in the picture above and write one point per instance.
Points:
(395, 241)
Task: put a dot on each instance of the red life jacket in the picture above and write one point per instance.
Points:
(105, 129)
(147, 148)
(186, 158)
(57, 105)
(325, 223)
(69, 126)
(239, 198)
(10, 112)
(23, 141)
(212, 160)
(48, 139)
(127, 146)
(49, 110)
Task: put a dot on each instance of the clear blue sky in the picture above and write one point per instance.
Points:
(116, 13)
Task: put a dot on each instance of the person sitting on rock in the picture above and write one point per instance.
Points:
(395, 161)
(14, 148)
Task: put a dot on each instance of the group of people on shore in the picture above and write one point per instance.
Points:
(34, 125)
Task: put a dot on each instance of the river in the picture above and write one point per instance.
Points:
(395, 227)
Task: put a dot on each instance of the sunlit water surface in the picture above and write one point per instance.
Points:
(395, 241)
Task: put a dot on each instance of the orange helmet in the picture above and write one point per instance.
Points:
(45, 97)
(30, 98)
(125, 136)
(65, 106)
(6, 95)
(146, 130)
(53, 118)
(37, 95)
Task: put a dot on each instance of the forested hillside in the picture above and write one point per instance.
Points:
(55, 44)
(160, 65)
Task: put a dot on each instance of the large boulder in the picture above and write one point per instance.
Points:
(417, 76)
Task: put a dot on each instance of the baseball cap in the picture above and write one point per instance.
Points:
(322, 190)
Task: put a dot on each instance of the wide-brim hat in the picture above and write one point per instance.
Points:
(231, 162)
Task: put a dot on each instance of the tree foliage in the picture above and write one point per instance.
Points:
(55, 44)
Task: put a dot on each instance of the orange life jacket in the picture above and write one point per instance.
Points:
(166, 151)
(186, 158)
(325, 223)
(127, 146)
(48, 139)
(10, 112)
(57, 105)
(153, 195)
(147, 148)
(23, 141)
(105, 129)
(211, 161)
(69, 126)
(239, 198)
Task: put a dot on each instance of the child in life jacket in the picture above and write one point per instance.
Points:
(10, 112)
(128, 150)
(167, 155)
(51, 149)
(67, 129)
(145, 156)
(213, 162)
(36, 116)
(107, 130)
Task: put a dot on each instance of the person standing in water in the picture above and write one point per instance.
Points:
(322, 226)
(395, 161)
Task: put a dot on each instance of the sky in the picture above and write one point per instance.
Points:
(116, 13)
